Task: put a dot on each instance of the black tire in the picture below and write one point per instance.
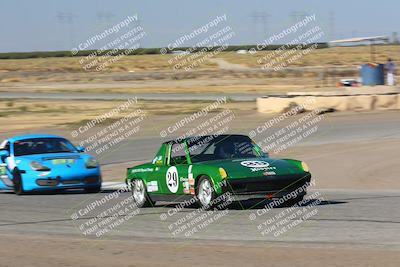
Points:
(146, 201)
(18, 184)
(210, 198)
(92, 190)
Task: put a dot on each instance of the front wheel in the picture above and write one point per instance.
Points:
(205, 193)
(139, 194)
(18, 185)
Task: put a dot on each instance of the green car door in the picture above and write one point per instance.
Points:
(172, 175)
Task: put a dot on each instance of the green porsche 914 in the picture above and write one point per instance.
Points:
(205, 167)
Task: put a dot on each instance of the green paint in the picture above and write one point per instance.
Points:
(162, 169)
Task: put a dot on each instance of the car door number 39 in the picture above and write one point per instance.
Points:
(172, 179)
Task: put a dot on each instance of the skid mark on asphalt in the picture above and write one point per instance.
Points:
(159, 213)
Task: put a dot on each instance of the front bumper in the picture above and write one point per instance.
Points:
(268, 186)
(54, 181)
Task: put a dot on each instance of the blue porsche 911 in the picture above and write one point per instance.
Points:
(30, 163)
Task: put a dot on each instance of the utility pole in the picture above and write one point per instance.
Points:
(105, 18)
(261, 17)
(332, 22)
(67, 18)
(138, 23)
(296, 16)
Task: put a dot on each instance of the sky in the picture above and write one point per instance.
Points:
(49, 25)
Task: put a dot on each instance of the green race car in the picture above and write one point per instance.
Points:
(204, 168)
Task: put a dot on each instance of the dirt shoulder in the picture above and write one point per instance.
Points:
(353, 165)
(19, 250)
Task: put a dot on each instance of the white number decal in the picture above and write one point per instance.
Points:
(254, 164)
(172, 179)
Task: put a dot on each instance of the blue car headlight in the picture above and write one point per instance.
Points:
(91, 163)
(37, 166)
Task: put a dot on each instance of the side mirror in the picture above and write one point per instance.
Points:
(80, 149)
(4, 154)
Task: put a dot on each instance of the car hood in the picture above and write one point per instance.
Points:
(255, 167)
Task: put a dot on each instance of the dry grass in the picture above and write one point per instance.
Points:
(72, 64)
(153, 74)
(325, 57)
(321, 57)
(265, 86)
(29, 114)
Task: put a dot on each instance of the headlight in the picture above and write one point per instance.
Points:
(37, 166)
(305, 167)
(223, 173)
(91, 163)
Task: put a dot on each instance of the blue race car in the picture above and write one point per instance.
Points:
(40, 163)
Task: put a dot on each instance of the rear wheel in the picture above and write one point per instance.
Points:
(139, 194)
(18, 185)
(205, 193)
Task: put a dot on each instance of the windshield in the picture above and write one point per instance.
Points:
(223, 147)
(42, 146)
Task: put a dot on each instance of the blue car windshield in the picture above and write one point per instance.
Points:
(42, 146)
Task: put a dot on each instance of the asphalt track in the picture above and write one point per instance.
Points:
(352, 218)
(356, 218)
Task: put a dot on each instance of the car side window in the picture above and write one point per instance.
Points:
(5, 146)
(178, 154)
